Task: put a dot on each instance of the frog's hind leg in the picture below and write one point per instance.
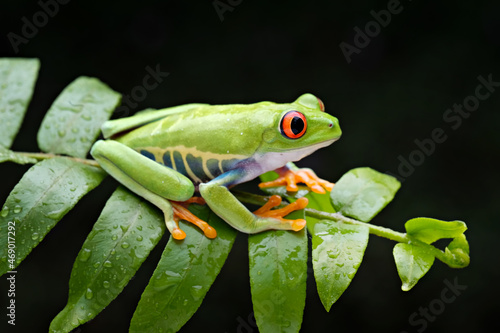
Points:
(155, 183)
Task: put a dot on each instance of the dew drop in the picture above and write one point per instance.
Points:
(85, 254)
(139, 227)
(89, 293)
(17, 209)
(197, 292)
(114, 237)
(34, 236)
(108, 263)
(5, 211)
(139, 238)
(106, 284)
(333, 253)
(61, 133)
(125, 245)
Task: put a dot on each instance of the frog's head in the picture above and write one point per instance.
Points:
(301, 128)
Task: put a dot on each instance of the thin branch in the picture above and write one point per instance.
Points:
(45, 156)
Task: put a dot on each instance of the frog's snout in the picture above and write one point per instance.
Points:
(334, 126)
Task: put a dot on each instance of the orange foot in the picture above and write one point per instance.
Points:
(290, 178)
(275, 200)
(182, 213)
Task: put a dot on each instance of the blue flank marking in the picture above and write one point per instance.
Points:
(148, 154)
(167, 160)
(179, 164)
(196, 166)
(229, 164)
(213, 167)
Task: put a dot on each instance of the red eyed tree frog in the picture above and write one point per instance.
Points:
(167, 155)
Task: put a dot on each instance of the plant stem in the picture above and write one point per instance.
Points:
(45, 156)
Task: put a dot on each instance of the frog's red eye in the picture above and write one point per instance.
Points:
(293, 125)
(321, 105)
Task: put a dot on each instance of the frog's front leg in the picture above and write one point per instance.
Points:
(290, 175)
(154, 182)
(230, 209)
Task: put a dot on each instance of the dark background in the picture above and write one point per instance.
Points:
(393, 92)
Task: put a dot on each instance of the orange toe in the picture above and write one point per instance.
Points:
(290, 178)
(178, 234)
(275, 200)
(182, 213)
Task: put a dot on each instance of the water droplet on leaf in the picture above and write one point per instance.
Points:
(5, 211)
(89, 293)
(85, 254)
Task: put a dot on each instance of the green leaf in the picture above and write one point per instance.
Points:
(268, 176)
(459, 243)
(278, 272)
(121, 239)
(46, 192)
(10, 156)
(17, 82)
(282, 192)
(363, 192)
(430, 230)
(458, 252)
(412, 262)
(337, 252)
(183, 276)
(74, 120)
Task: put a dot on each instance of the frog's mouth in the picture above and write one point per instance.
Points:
(297, 154)
(274, 160)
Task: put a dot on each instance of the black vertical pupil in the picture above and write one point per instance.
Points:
(297, 125)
